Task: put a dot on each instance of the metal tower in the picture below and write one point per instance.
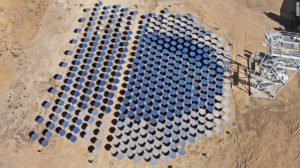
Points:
(271, 72)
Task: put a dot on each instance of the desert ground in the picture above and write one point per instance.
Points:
(34, 35)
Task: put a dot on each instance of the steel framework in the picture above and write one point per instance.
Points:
(276, 68)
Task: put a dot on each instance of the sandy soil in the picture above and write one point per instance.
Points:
(34, 35)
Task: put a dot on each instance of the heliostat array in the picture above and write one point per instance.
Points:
(155, 81)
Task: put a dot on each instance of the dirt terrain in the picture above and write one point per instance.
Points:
(35, 33)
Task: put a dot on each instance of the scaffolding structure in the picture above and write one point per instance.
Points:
(271, 72)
